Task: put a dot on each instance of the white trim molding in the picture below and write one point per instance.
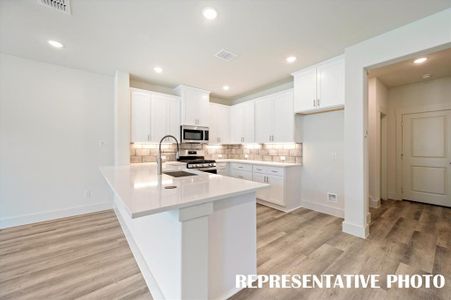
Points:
(52, 215)
(374, 203)
(325, 209)
(356, 230)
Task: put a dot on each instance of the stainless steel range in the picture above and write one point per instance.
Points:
(195, 160)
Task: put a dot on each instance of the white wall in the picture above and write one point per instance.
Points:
(417, 38)
(322, 170)
(422, 96)
(52, 120)
(377, 105)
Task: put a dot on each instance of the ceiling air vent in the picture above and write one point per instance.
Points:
(225, 55)
(59, 5)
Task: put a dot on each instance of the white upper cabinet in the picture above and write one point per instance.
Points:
(194, 105)
(140, 116)
(331, 83)
(274, 118)
(305, 90)
(153, 116)
(219, 121)
(264, 119)
(242, 123)
(284, 118)
(321, 87)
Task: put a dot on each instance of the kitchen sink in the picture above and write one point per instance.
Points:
(179, 173)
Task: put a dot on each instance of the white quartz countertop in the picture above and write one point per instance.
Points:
(261, 163)
(142, 190)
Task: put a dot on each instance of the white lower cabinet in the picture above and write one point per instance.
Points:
(273, 176)
(284, 190)
(242, 171)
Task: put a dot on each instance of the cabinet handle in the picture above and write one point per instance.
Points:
(148, 137)
(314, 102)
(317, 102)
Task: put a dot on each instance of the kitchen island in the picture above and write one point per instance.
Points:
(190, 235)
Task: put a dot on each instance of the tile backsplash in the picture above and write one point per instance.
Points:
(290, 153)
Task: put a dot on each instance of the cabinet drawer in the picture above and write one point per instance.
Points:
(275, 171)
(242, 174)
(242, 167)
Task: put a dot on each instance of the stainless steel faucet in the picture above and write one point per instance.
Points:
(159, 160)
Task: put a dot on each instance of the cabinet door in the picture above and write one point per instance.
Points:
(248, 122)
(219, 123)
(158, 118)
(264, 116)
(305, 90)
(283, 114)
(331, 84)
(236, 124)
(276, 191)
(140, 117)
(173, 116)
(241, 174)
(195, 106)
(261, 193)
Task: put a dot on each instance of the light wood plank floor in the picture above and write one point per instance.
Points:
(405, 238)
(82, 257)
(87, 257)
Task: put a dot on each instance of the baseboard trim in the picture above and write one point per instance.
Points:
(394, 196)
(375, 203)
(357, 230)
(278, 207)
(52, 215)
(325, 209)
(152, 284)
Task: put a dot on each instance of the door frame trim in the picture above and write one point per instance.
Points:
(399, 114)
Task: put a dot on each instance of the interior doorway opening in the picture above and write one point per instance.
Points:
(409, 131)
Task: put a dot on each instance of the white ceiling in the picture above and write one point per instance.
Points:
(405, 72)
(135, 35)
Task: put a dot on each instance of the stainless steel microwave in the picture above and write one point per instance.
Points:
(193, 134)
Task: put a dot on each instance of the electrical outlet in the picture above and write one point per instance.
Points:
(219, 155)
(283, 158)
(331, 197)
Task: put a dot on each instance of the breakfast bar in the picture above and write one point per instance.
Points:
(191, 232)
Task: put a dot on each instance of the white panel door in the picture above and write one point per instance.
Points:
(427, 157)
(331, 84)
(264, 116)
(140, 117)
(283, 124)
(305, 90)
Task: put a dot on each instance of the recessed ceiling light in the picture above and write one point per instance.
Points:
(291, 59)
(158, 70)
(426, 76)
(55, 44)
(226, 87)
(420, 60)
(209, 13)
